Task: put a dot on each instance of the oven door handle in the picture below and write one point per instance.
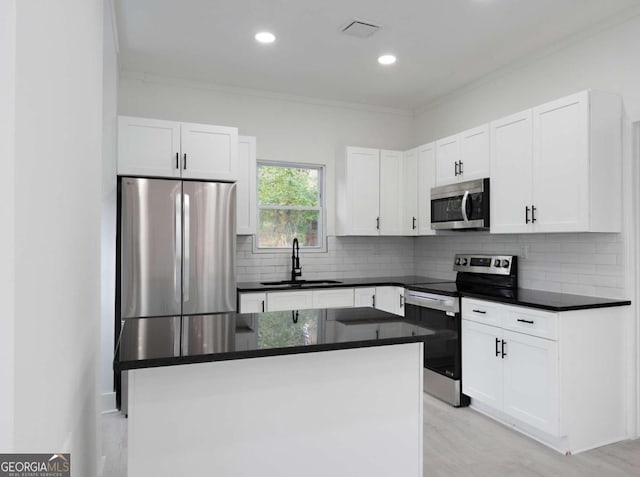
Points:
(465, 198)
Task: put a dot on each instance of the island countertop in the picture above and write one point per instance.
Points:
(168, 341)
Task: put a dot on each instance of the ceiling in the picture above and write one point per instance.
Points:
(441, 45)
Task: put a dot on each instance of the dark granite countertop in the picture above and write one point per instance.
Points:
(239, 336)
(401, 281)
(551, 301)
(522, 297)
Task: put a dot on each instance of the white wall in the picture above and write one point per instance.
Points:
(109, 206)
(606, 60)
(57, 227)
(286, 130)
(7, 245)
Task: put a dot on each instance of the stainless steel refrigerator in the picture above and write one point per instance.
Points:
(177, 244)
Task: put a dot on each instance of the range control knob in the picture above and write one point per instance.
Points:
(496, 263)
(464, 261)
(458, 261)
(505, 263)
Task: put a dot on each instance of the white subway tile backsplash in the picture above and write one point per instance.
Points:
(587, 263)
(581, 263)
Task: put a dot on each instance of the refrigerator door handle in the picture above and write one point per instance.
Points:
(187, 257)
(177, 244)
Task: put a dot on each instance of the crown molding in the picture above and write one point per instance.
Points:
(621, 18)
(194, 84)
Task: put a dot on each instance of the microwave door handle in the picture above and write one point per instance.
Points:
(465, 198)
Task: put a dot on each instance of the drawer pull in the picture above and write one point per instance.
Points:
(480, 311)
(497, 344)
(262, 306)
(525, 321)
(503, 353)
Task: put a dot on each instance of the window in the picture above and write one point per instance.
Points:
(290, 204)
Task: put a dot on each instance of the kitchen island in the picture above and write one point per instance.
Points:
(314, 393)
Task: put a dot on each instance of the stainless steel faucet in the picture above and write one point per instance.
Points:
(296, 269)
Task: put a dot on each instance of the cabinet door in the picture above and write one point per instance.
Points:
(282, 301)
(531, 380)
(246, 186)
(447, 157)
(209, 152)
(364, 297)
(363, 184)
(252, 302)
(390, 299)
(511, 173)
(561, 164)
(481, 364)
(333, 298)
(410, 193)
(474, 153)
(426, 180)
(391, 172)
(148, 147)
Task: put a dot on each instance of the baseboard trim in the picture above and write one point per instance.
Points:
(108, 402)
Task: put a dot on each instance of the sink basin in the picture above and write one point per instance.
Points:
(295, 283)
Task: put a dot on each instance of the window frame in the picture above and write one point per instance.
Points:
(322, 209)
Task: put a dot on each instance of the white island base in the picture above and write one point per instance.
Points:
(351, 412)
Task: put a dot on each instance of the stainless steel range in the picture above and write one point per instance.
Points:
(437, 306)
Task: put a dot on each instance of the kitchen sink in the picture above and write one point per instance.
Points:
(295, 283)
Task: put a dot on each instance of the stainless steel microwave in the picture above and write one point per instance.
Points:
(464, 205)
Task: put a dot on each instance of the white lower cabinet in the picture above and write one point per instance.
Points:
(252, 302)
(530, 379)
(481, 368)
(390, 299)
(364, 296)
(542, 372)
(333, 298)
(386, 298)
(294, 300)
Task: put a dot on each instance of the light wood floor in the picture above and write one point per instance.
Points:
(457, 442)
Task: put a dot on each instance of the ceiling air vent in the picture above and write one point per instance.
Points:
(360, 29)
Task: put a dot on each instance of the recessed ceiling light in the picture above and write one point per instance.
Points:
(387, 59)
(265, 37)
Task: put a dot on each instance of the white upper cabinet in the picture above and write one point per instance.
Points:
(410, 222)
(447, 160)
(209, 152)
(369, 192)
(358, 191)
(463, 157)
(156, 148)
(561, 164)
(474, 154)
(148, 147)
(558, 167)
(391, 176)
(511, 187)
(426, 180)
(246, 186)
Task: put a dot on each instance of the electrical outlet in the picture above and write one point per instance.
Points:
(524, 251)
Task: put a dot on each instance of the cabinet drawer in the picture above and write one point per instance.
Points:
(482, 312)
(334, 298)
(531, 322)
(252, 302)
(282, 301)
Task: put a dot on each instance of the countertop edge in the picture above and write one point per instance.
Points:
(541, 306)
(119, 366)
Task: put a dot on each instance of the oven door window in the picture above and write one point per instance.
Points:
(442, 349)
(449, 209)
